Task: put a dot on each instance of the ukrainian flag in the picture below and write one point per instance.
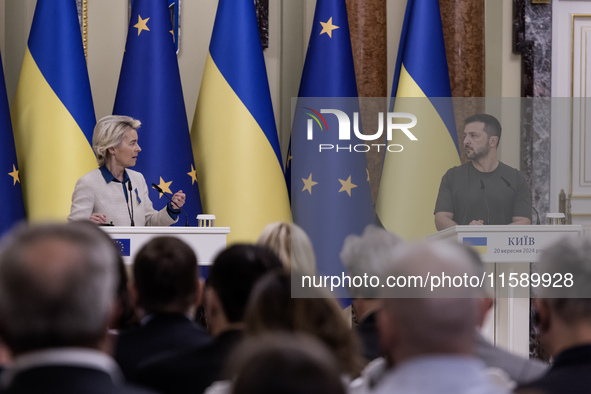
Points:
(11, 198)
(234, 136)
(410, 179)
(53, 113)
(478, 243)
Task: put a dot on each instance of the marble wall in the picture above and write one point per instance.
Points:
(533, 39)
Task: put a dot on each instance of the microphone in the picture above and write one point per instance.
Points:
(523, 198)
(159, 190)
(486, 201)
(130, 198)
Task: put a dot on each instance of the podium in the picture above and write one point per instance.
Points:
(507, 250)
(206, 242)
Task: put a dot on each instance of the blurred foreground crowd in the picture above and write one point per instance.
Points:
(75, 319)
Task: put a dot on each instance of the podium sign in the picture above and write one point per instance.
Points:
(206, 242)
(508, 243)
(509, 249)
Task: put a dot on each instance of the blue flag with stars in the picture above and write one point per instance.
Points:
(11, 197)
(330, 191)
(150, 90)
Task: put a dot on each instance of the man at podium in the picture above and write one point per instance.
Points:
(483, 190)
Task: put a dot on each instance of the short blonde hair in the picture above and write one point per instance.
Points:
(109, 132)
(292, 245)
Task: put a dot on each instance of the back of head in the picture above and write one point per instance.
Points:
(272, 309)
(165, 275)
(235, 272)
(57, 286)
(570, 260)
(368, 254)
(285, 364)
(438, 321)
(292, 245)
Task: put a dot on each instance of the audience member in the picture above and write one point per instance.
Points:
(292, 245)
(126, 313)
(57, 294)
(518, 370)
(231, 279)
(429, 337)
(368, 255)
(166, 287)
(271, 309)
(564, 318)
(285, 364)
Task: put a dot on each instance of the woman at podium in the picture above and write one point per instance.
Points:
(113, 194)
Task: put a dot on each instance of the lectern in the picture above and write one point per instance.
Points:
(207, 242)
(509, 249)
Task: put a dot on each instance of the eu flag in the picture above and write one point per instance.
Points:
(123, 245)
(53, 114)
(11, 197)
(150, 90)
(330, 191)
(410, 179)
(234, 134)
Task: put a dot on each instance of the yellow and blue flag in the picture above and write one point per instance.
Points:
(11, 197)
(478, 243)
(150, 90)
(330, 193)
(410, 179)
(234, 136)
(53, 114)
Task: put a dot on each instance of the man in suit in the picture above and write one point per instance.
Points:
(368, 255)
(57, 295)
(428, 334)
(166, 288)
(564, 317)
(231, 279)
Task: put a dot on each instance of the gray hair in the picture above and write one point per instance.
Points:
(57, 286)
(109, 132)
(440, 320)
(569, 257)
(369, 254)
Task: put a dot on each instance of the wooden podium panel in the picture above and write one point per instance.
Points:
(207, 242)
(509, 250)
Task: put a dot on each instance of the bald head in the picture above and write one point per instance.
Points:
(425, 320)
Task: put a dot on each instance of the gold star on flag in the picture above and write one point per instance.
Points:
(328, 27)
(165, 186)
(142, 24)
(193, 175)
(308, 183)
(14, 175)
(347, 185)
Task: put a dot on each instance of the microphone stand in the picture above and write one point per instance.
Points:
(523, 198)
(159, 190)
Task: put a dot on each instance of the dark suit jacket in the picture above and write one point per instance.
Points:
(570, 374)
(67, 380)
(162, 333)
(368, 333)
(190, 371)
